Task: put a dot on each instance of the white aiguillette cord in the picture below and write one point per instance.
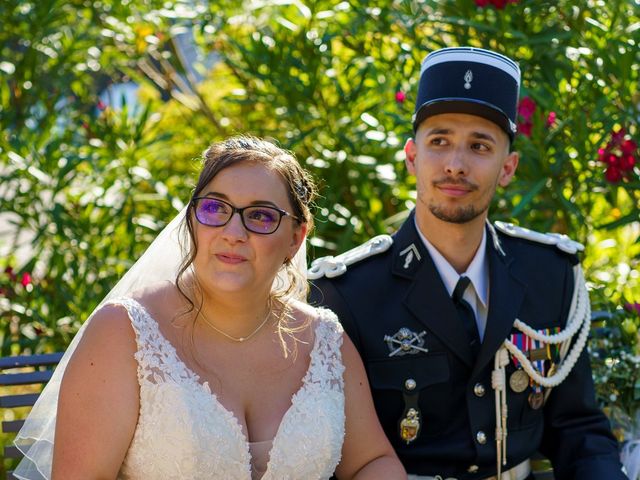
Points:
(231, 337)
(579, 316)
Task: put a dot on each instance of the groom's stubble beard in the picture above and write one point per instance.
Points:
(465, 213)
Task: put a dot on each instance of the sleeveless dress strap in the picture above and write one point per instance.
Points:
(326, 370)
(157, 359)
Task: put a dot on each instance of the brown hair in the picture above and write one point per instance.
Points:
(301, 191)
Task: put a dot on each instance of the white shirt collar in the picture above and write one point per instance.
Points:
(477, 271)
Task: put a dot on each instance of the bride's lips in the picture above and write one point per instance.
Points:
(230, 258)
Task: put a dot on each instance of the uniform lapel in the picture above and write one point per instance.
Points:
(427, 297)
(506, 293)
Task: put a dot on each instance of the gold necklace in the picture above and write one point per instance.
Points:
(231, 337)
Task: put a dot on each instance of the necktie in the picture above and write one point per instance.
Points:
(465, 312)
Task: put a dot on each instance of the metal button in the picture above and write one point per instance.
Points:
(479, 390)
(473, 468)
(481, 437)
(410, 384)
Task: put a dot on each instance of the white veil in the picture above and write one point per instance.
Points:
(159, 262)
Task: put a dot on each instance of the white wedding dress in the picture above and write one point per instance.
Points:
(183, 431)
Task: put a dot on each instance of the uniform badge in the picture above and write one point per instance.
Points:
(536, 399)
(405, 342)
(410, 426)
(410, 253)
(519, 381)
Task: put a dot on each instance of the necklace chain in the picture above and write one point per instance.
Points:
(231, 337)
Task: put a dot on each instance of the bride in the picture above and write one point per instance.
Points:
(205, 361)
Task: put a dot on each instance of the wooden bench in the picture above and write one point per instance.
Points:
(31, 372)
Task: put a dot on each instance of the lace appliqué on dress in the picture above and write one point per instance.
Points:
(183, 430)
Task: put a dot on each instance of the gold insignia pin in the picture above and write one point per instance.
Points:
(410, 426)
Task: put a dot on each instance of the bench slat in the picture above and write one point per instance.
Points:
(22, 400)
(27, 378)
(12, 426)
(12, 452)
(30, 360)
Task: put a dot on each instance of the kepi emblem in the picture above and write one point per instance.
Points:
(468, 78)
(405, 341)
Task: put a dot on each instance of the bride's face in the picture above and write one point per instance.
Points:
(231, 258)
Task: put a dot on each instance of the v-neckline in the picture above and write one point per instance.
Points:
(231, 417)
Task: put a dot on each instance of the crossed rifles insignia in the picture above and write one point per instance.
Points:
(405, 342)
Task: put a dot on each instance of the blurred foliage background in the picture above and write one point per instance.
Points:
(106, 105)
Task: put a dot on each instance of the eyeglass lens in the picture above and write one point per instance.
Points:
(258, 219)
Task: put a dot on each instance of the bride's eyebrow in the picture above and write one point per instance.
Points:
(226, 198)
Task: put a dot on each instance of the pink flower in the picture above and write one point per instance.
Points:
(400, 96)
(551, 119)
(613, 174)
(525, 128)
(26, 279)
(633, 307)
(101, 105)
(482, 3)
(526, 107)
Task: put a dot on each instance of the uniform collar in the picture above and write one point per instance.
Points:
(477, 272)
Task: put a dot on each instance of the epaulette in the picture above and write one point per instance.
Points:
(334, 266)
(562, 242)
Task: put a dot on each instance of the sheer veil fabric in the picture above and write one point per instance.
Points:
(160, 262)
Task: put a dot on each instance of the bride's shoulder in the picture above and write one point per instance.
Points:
(315, 316)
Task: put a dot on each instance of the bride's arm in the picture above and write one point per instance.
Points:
(99, 400)
(366, 452)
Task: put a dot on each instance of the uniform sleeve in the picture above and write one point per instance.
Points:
(577, 435)
(323, 293)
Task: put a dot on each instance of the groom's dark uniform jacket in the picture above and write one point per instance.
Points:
(383, 293)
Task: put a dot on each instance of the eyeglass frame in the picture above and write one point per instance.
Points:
(240, 211)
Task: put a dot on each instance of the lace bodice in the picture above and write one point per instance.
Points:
(183, 430)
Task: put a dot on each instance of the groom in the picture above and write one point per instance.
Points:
(431, 308)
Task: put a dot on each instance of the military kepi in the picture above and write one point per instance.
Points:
(469, 80)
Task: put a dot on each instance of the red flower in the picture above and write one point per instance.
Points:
(400, 96)
(612, 160)
(10, 274)
(619, 156)
(101, 105)
(26, 279)
(551, 119)
(526, 107)
(628, 147)
(617, 137)
(499, 4)
(627, 162)
(525, 128)
(613, 174)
